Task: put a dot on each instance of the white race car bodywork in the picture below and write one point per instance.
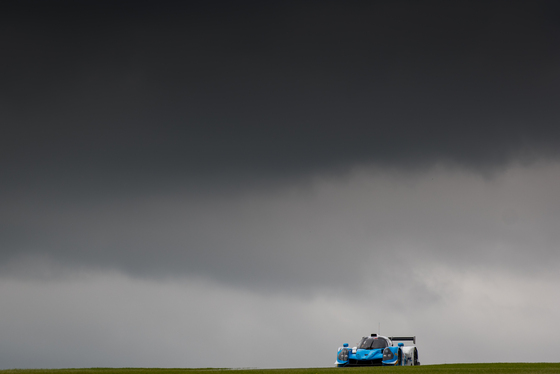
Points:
(407, 357)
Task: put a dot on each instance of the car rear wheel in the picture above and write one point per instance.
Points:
(416, 362)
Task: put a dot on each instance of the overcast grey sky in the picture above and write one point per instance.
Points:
(195, 184)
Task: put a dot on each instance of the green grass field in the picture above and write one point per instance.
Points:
(500, 368)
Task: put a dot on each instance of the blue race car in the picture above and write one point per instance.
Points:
(379, 350)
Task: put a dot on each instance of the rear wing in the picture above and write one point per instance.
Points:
(404, 338)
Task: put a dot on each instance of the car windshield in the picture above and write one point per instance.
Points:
(372, 343)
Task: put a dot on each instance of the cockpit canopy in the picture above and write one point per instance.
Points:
(372, 343)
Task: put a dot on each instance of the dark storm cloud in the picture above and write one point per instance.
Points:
(121, 120)
(381, 228)
(133, 91)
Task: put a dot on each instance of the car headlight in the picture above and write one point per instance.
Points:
(387, 354)
(343, 354)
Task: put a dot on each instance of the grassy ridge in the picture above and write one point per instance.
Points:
(501, 368)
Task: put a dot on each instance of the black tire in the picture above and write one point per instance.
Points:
(416, 362)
